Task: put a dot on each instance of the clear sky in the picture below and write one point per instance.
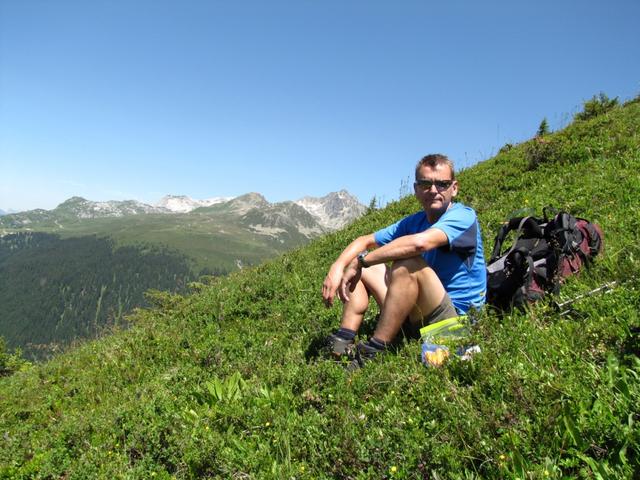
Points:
(136, 99)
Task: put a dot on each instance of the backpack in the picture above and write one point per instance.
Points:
(545, 251)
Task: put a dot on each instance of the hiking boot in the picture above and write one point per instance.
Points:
(362, 353)
(339, 347)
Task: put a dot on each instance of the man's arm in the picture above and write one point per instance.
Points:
(408, 246)
(334, 277)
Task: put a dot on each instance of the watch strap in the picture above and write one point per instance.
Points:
(361, 261)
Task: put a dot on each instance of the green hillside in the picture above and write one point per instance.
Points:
(228, 383)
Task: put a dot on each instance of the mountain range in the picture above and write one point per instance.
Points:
(217, 234)
(330, 212)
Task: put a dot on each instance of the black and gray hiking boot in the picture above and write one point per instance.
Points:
(339, 347)
(363, 353)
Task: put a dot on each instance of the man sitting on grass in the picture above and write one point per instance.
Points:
(437, 269)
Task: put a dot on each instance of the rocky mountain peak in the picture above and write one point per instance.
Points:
(248, 201)
(334, 210)
(73, 201)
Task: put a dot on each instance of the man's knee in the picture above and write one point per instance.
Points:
(409, 266)
(373, 277)
(373, 274)
(415, 269)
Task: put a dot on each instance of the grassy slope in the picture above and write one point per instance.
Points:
(225, 383)
(200, 239)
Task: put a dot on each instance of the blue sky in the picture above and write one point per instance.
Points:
(136, 99)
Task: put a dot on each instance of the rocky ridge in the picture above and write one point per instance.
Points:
(309, 216)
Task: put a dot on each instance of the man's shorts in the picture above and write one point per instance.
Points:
(444, 311)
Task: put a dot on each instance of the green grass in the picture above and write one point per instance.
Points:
(227, 383)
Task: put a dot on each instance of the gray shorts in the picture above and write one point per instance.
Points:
(444, 311)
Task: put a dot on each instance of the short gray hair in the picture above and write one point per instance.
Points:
(433, 160)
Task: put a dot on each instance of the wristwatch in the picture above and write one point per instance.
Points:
(361, 261)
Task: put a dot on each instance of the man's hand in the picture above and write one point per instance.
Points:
(335, 278)
(350, 279)
(330, 285)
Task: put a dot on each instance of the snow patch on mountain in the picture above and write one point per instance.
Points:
(185, 204)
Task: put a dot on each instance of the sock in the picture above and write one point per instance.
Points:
(377, 344)
(346, 333)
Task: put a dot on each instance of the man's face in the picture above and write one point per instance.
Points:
(435, 189)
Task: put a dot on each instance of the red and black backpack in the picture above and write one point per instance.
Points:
(544, 252)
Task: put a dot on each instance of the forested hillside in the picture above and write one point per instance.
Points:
(228, 382)
(53, 291)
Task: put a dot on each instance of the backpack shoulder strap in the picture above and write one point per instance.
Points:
(563, 229)
(519, 224)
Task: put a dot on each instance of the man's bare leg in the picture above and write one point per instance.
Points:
(372, 282)
(414, 291)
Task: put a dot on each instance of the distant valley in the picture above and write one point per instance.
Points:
(69, 272)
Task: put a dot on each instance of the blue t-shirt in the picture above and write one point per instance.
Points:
(460, 265)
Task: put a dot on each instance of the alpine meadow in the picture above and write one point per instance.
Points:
(229, 381)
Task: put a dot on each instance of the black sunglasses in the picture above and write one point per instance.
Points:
(441, 185)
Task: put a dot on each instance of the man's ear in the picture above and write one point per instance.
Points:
(454, 189)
